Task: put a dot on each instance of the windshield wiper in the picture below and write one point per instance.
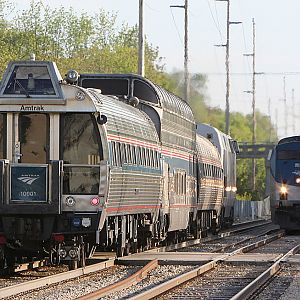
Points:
(22, 88)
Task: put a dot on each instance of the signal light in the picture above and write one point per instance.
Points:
(95, 201)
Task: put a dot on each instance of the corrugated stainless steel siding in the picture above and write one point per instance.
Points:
(174, 104)
(210, 194)
(132, 189)
(207, 152)
(124, 119)
(177, 132)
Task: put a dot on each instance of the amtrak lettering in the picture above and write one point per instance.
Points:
(32, 108)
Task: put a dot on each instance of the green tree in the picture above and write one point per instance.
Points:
(76, 41)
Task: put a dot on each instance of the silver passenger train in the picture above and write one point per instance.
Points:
(118, 169)
(228, 148)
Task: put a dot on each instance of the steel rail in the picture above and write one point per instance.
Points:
(264, 277)
(42, 282)
(258, 244)
(223, 248)
(227, 233)
(123, 284)
(171, 284)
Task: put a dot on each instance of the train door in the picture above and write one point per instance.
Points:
(28, 147)
(32, 135)
(31, 172)
(166, 187)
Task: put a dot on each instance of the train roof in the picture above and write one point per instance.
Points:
(289, 139)
(220, 139)
(207, 152)
(125, 119)
(133, 85)
(208, 131)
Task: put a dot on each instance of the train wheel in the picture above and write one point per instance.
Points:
(134, 247)
(127, 249)
(2, 258)
(10, 260)
(82, 257)
(73, 264)
(197, 227)
(120, 251)
(214, 227)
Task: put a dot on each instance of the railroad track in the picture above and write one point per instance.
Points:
(25, 287)
(85, 286)
(221, 279)
(231, 242)
(279, 286)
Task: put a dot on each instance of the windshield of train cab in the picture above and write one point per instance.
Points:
(81, 152)
(287, 163)
(30, 80)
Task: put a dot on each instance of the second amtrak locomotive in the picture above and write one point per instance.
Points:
(285, 171)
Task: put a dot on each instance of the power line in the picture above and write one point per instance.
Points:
(217, 15)
(177, 30)
(296, 73)
(186, 56)
(217, 24)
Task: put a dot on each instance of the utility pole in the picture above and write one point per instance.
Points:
(285, 108)
(141, 59)
(253, 104)
(276, 120)
(186, 57)
(227, 109)
(269, 115)
(293, 113)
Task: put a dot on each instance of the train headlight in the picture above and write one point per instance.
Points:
(234, 189)
(70, 201)
(297, 180)
(72, 76)
(283, 194)
(228, 188)
(283, 190)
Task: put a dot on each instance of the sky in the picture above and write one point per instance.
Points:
(277, 48)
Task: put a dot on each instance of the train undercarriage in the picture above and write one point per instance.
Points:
(39, 236)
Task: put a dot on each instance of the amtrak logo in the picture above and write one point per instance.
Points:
(28, 180)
